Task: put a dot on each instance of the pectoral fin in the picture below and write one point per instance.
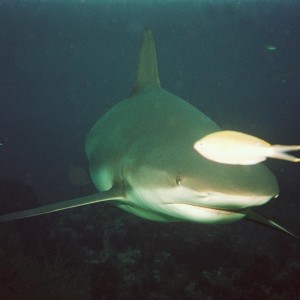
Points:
(112, 194)
(257, 218)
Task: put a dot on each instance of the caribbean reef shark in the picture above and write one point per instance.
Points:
(142, 158)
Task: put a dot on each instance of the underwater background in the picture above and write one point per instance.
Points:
(62, 65)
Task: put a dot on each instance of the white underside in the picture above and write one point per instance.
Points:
(180, 203)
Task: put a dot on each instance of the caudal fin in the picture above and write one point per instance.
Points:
(278, 151)
(257, 218)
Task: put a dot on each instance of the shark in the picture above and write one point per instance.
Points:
(141, 158)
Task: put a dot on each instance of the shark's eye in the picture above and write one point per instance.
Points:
(178, 181)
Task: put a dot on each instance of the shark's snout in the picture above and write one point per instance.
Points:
(220, 186)
(233, 201)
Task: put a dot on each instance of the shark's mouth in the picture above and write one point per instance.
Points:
(228, 202)
(184, 203)
(208, 206)
(218, 210)
(202, 214)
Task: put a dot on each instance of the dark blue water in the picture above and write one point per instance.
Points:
(62, 66)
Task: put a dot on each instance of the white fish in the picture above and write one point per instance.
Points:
(237, 148)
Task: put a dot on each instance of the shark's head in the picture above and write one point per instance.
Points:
(181, 184)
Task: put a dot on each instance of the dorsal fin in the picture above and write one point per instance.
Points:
(147, 72)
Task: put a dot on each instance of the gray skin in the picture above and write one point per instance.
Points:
(141, 157)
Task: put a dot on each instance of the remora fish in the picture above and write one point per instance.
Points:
(237, 148)
(142, 158)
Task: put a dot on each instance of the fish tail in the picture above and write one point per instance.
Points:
(279, 152)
